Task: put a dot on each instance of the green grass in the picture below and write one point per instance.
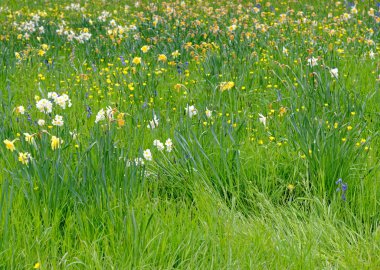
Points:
(233, 193)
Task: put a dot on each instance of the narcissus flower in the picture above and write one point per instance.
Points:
(58, 121)
(41, 122)
(148, 155)
(145, 48)
(312, 61)
(224, 86)
(29, 138)
(334, 73)
(136, 60)
(191, 110)
(160, 146)
(100, 116)
(169, 145)
(262, 119)
(162, 58)
(20, 110)
(10, 144)
(24, 158)
(56, 142)
(208, 113)
(44, 105)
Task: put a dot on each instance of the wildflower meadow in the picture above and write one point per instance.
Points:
(189, 134)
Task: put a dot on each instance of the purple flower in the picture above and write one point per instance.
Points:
(342, 187)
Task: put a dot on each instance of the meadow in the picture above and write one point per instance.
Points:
(189, 134)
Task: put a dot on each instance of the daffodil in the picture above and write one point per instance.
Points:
(24, 158)
(56, 142)
(10, 144)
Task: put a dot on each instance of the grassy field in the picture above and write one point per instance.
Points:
(189, 135)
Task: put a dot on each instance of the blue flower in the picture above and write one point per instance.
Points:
(342, 187)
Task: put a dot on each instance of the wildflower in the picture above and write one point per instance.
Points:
(282, 111)
(191, 110)
(56, 142)
(162, 58)
(371, 55)
(136, 60)
(153, 123)
(160, 146)
(224, 86)
(100, 116)
(147, 155)
(58, 121)
(342, 187)
(37, 265)
(263, 119)
(285, 51)
(62, 101)
(139, 161)
(44, 105)
(169, 145)
(232, 28)
(145, 48)
(10, 144)
(24, 158)
(334, 73)
(29, 138)
(110, 112)
(20, 110)
(290, 187)
(176, 53)
(312, 61)
(208, 113)
(41, 122)
(120, 119)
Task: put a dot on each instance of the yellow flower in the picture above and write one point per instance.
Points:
(41, 52)
(162, 57)
(224, 86)
(176, 53)
(145, 48)
(282, 111)
(55, 142)
(291, 187)
(37, 265)
(24, 157)
(10, 145)
(136, 60)
(28, 138)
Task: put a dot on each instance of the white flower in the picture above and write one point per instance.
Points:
(44, 106)
(334, 73)
(41, 122)
(160, 146)
(285, 51)
(312, 61)
(371, 55)
(208, 113)
(58, 121)
(191, 110)
(262, 119)
(74, 134)
(62, 101)
(20, 109)
(52, 95)
(110, 112)
(169, 145)
(148, 155)
(101, 115)
(153, 123)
